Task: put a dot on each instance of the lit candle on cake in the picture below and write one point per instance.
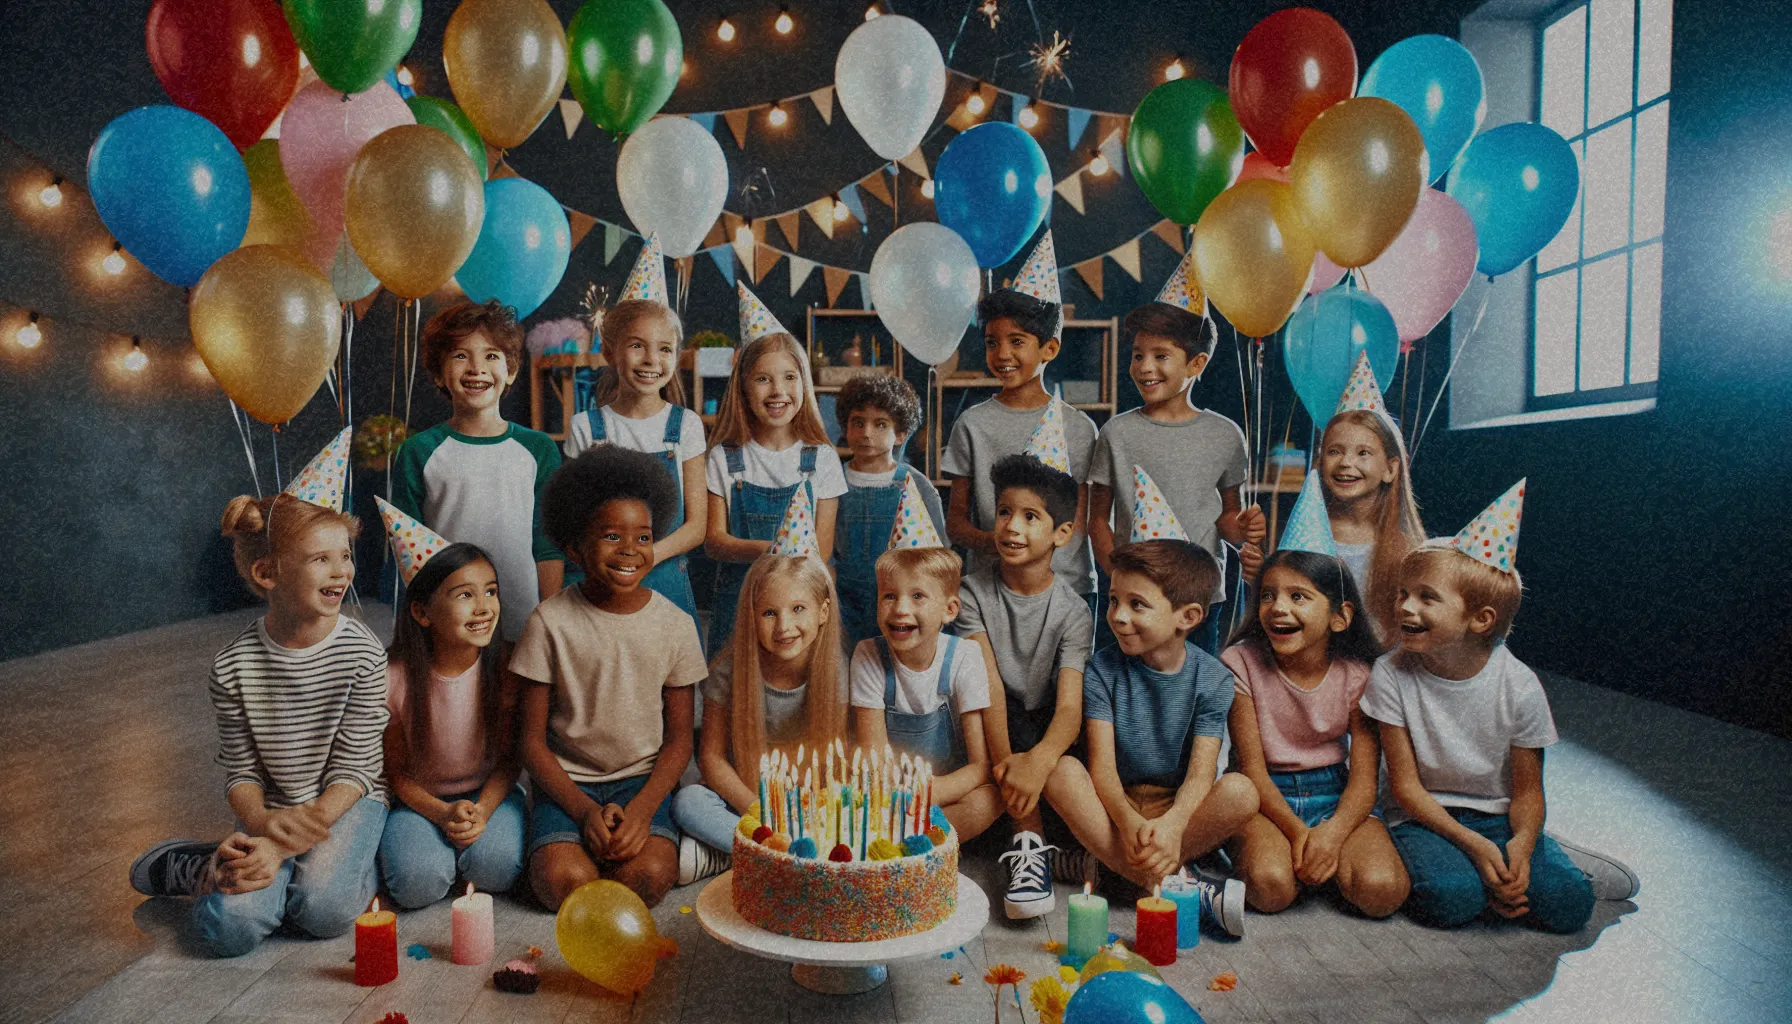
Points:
(1088, 925)
(472, 927)
(376, 946)
(1155, 935)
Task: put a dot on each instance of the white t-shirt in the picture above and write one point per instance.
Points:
(1463, 730)
(767, 468)
(918, 693)
(641, 435)
(857, 479)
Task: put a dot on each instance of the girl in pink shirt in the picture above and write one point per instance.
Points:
(1302, 664)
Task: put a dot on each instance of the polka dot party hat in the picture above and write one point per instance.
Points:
(1361, 391)
(1491, 538)
(1038, 277)
(648, 278)
(755, 320)
(1048, 443)
(1182, 290)
(1151, 515)
(325, 477)
(1309, 527)
(413, 544)
(796, 534)
(914, 527)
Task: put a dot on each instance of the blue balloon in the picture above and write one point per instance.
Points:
(1436, 81)
(404, 91)
(1126, 997)
(1325, 336)
(993, 187)
(1518, 184)
(522, 249)
(171, 188)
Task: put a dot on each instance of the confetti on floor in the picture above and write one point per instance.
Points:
(1054, 946)
(955, 979)
(535, 952)
(684, 910)
(417, 951)
(1223, 982)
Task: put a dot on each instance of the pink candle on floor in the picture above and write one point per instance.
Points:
(473, 938)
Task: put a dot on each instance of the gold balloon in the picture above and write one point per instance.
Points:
(276, 216)
(1357, 172)
(506, 63)
(266, 323)
(414, 208)
(1253, 255)
(606, 933)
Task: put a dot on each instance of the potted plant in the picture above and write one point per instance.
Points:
(715, 353)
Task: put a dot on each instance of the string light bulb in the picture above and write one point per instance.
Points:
(114, 262)
(1099, 165)
(725, 31)
(975, 104)
(778, 117)
(1175, 70)
(872, 12)
(405, 78)
(784, 23)
(51, 196)
(136, 359)
(29, 335)
(840, 211)
(927, 188)
(1029, 118)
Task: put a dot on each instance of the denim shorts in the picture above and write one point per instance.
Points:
(1313, 794)
(551, 824)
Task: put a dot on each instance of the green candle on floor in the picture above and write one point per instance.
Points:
(1088, 926)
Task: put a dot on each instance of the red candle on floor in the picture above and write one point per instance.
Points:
(1155, 938)
(376, 946)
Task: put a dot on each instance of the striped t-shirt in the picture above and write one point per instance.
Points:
(296, 722)
(1157, 715)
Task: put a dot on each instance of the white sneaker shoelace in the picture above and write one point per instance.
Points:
(1028, 867)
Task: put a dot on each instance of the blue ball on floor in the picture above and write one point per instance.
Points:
(1123, 997)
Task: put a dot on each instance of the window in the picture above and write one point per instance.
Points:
(1596, 299)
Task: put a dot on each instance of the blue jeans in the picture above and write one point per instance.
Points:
(551, 823)
(701, 812)
(1313, 794)
(419, 863)
(1447, 890)
(320, 891)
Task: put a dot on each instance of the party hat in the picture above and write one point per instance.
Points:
(1309, 527)
(1491, 538)
(1038, 277)
(796, 534)
(412, 543)
(1048, 443)
(1362, 392)
(1181, 290)
(755, 320)
(1151, 515)
(322, 480)
(648, 278)
(914, 527)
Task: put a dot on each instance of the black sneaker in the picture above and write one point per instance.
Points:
(174, 867)
(1611, 878)
(1074, 867)
(1029, 877)
(1222, 901)
(696, 860)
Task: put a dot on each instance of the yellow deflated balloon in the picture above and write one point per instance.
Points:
(414, 207)
(1356, 175)
(1253, 255)
(267, 324)
(607, 934)
(506, 62)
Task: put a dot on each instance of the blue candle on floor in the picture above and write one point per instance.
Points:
(1180, 891)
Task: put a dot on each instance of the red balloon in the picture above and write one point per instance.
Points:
(1289, 68)
(232, 62)
(1256, 165)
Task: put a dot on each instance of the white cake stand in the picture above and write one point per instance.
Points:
(838, 968)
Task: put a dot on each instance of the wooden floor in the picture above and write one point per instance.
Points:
(108, 746)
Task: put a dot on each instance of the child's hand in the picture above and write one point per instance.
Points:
(1160, 847)
(1022, 778)
(631, 832)
(1319, 861)
(595, 830)
(247, 863)
(1513, 893)
(1297, 846)
(296, 829)
(1490, 863)
(464, 823)
(1250, 560)
(613, 815)
(1254, 525)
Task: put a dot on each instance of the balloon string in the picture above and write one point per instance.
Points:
(412, 309)
(238, 417)
(397, 355)
(1474, 329)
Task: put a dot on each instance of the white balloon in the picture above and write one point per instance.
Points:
(672, 179)
(924, 283)
(890, 79)
(349, 277)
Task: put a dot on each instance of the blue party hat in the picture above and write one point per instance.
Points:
(1309, 527)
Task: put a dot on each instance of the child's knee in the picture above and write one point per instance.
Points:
(1560, 902)
(1377, 889)
(652, 872)
(412, 884)
(1067, 775)
(328, 912)
(1270, 887)
(1447, 901)
(1234, 797)
(491, 866)
(225, 934)
(556, 870)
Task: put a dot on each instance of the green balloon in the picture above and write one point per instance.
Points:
(1185, 147)
(451, 121)
(626, 59)
(353, 43)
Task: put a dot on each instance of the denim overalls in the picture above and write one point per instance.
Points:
(754, 512)
(672, 578)
(863, 522)
(935, 736)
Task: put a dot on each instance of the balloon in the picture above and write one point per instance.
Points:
(1253, 255)
(446, 117)
(1289, 69)
(232, 62)
(626, 59)
(1326, 274)
(924, 283)
(1438, 83)
(506, 62)
(353, 43)
(890, 80)
(320, 133)
(606, 934)
(1518, 184)
(276, 217)
(1256, 165)
(1428, 267)
(1357, 174)
(673, 179)
(1184, 147)
(1124, 997)
(522, 249)
(414, 208)
(171, 188)
(1116, 958)
(350, 277)
(266, 324)
(1323, 339)
(993, 187)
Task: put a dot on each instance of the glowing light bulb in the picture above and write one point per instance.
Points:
(725, 31)
(29, 335)
(51, 196)
(137, 359)
(975, 104)
(1099, 165)
(1175, 70)
(927, 188)
(1029, 118)
(778, 116)
(114, 262)
(404, 77)
(840, 211)
(872, 12)
(784, 23)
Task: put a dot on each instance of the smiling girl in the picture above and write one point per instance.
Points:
(1368, 497)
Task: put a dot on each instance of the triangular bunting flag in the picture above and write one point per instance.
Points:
(849, 194)
(824, 103)
(723, 256)
(1113, 147)
(796, 533)
(613, 234)
(1038, 277)
(737, 123)
(756, 321)
(1127, 255)
(413, 544)
(1491, 538)
(764, 259)
(571, 113)
(1182, 290)
(835, 278)
(718, 235)
(1151, 515)
(875, 184)
(708, 121)
(1361, 391)
(581, 224)
(1048, 443)
(743, 244)
(1171, 234)
(1090, 272)
(800, 269)
(1071, 189)
(647, 280)
(791, 225)
(821, 211)
(323, 479)
(1309, 527)
(917, 162)
(914, 527)
(733, 222)
(1077, 122)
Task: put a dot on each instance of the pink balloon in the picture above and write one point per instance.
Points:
(1428, 267)
(1256, 165)
(1325, 273)
(320, 133)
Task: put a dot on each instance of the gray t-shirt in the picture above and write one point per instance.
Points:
(1190, 462)
(784, 717)
(1032, 636)
(988, 431)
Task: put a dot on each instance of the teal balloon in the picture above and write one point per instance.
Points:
(1324, 337)
(353, 43)
(993, 186)
(1518, 184)
(453, 122)
(1438, 83)
(1127, 997)
(522, 248)
(626, 56)
(1184, 147)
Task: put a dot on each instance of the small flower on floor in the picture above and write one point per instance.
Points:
(395, 1018)
(1003, 974)
(1054, 947)
(955, 979)
(417, 951)
(1223, 982)
(1049, 997)
(1068, 974)
(535, 952)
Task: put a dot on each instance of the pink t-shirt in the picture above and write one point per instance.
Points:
(453, 759)
(1301, 729)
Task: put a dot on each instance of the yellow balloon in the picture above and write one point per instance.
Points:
(506, 62)
(1356, 175)
(267, 324)
(607, 934)
(1116, 958)
(414, 208)
(1253, 255)
(276, 216)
